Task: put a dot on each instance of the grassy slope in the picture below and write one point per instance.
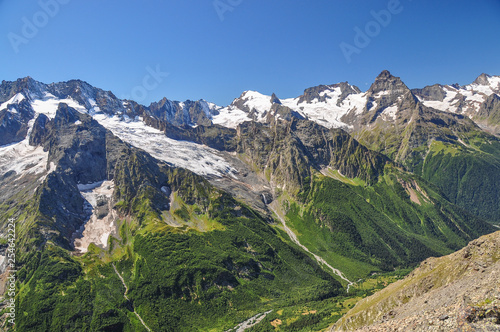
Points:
(458, 157)
(179, 279)
(468, 176)
(431, 275)
(362, 229)
(318, 315)
(240, 267)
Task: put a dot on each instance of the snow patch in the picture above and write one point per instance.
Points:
(390, 112)
(99, 227)
(89, 186)
(447, 105)
(328, 113)
(230, 117)
(23, 158)
(18, 97)
(381, 94)
(373, 106)
(49, 104)
(492, 87)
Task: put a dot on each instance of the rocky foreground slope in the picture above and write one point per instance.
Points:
(458, 292)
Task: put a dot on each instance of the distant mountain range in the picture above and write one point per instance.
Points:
(186, 216)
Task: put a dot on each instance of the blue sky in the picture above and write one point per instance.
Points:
(217, 49)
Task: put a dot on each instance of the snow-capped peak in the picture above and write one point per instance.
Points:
(254, 101)
(251, 105)
(461, 99)
(485, 84)
(18, 97)
(325, 104)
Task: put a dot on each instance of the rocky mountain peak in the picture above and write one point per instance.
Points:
(181, 113)
(313, 93)
(280, 112)
(28, 80)
(27, 83)
(482, 79)
(27, 86)
(163, 105)
(275, 99)
(389, 98)
(385, 74)
(321, 93)
(346, 87)
(387, 82)
(73, 88)
(14, 121)
(434, 92)
(65, 115)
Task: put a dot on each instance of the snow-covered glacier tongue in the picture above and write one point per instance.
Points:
(198, 158)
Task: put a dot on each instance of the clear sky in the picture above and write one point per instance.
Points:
(215, 50)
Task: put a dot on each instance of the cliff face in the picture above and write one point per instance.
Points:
(458, 292)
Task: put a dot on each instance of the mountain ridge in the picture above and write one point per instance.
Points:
(484, 86)
(192, 205)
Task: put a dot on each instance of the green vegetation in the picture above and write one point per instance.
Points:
(222, 264)
(398, 222)
(468, 177)
(434, 275)
(195, 259)
(319, 315)
(177, 281)
(447, 150)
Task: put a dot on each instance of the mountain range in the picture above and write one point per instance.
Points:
(188, 216)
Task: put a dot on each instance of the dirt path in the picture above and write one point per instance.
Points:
(320, 260)
(126, 297)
